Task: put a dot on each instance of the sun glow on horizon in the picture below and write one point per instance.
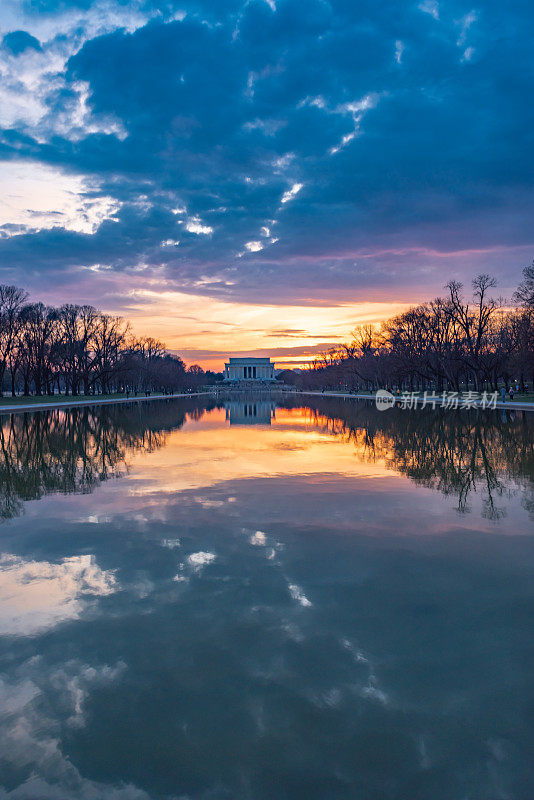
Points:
(206, 331)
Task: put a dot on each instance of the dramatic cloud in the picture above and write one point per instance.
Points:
(261, 152)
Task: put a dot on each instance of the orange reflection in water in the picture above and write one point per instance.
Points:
(210, 450)
(481, 461)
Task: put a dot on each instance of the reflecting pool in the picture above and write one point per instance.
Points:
(266, 599)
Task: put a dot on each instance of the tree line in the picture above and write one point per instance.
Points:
(450, 343)
(76, 349)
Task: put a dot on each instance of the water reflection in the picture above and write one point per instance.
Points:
(74, 450)
(250, 411)
(459, 454)
(293, 610)
(35, 595)
(455, 453)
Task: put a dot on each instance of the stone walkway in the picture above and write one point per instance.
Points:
(71, 403)
(510, 405)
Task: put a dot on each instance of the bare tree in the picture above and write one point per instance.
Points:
(449, 343)
(524, 295)
(11, 301)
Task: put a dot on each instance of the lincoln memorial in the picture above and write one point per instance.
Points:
(258, 370)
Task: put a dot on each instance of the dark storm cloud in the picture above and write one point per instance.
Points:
(18, 41)
(296, 152)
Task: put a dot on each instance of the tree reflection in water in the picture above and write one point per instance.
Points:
(73, 450)
(457, 453)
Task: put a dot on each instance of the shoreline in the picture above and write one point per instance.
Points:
(511, 405)
(72, 402)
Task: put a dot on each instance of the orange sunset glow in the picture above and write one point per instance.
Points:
(206, 331)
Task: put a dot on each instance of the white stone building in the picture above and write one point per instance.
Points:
(254, 370)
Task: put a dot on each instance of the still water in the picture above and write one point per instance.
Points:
(265, 602)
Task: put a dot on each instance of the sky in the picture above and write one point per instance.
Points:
(258, 177)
